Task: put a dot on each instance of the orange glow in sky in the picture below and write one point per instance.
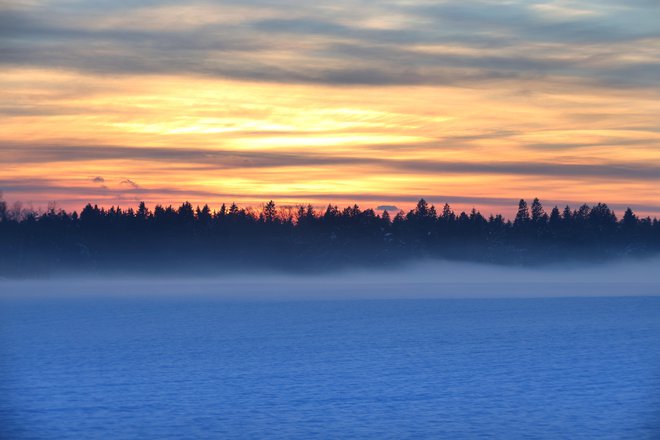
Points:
(374, 104)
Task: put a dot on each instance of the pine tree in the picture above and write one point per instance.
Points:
(270, 212)
(522, 217)
(538, 214)
(386, 217)
(447, 214)
(142, 212)
(555, 217)
(629, 220)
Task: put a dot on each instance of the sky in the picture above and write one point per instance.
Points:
(474, 103)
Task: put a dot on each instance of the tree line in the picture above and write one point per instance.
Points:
(199, 239)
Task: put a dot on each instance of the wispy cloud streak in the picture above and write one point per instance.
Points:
(228, 159)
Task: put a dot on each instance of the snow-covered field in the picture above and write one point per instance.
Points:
(276, 356)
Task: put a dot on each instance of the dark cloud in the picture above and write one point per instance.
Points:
(390, 208)
(217, 159)
(129, 182)
(46, 186)
(333, 46)
(98, 179)
(606, 170)
(603, 143)
(204, 159)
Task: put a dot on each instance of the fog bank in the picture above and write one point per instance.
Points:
(429, 279)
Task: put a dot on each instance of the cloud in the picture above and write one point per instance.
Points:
(207, 159)
(390, 208)
(46, 186)
(609, 170)
(337, 46)
(129, 182)
(98, 179)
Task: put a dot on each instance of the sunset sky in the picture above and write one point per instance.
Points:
(475, 103)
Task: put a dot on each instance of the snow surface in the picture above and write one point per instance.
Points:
(135, 366)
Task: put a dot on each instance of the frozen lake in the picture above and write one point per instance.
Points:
(200, 367)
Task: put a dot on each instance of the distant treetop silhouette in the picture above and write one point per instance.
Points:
(200, 239)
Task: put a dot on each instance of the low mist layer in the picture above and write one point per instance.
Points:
(430, 279)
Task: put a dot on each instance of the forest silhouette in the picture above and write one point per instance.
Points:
(189, 239)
